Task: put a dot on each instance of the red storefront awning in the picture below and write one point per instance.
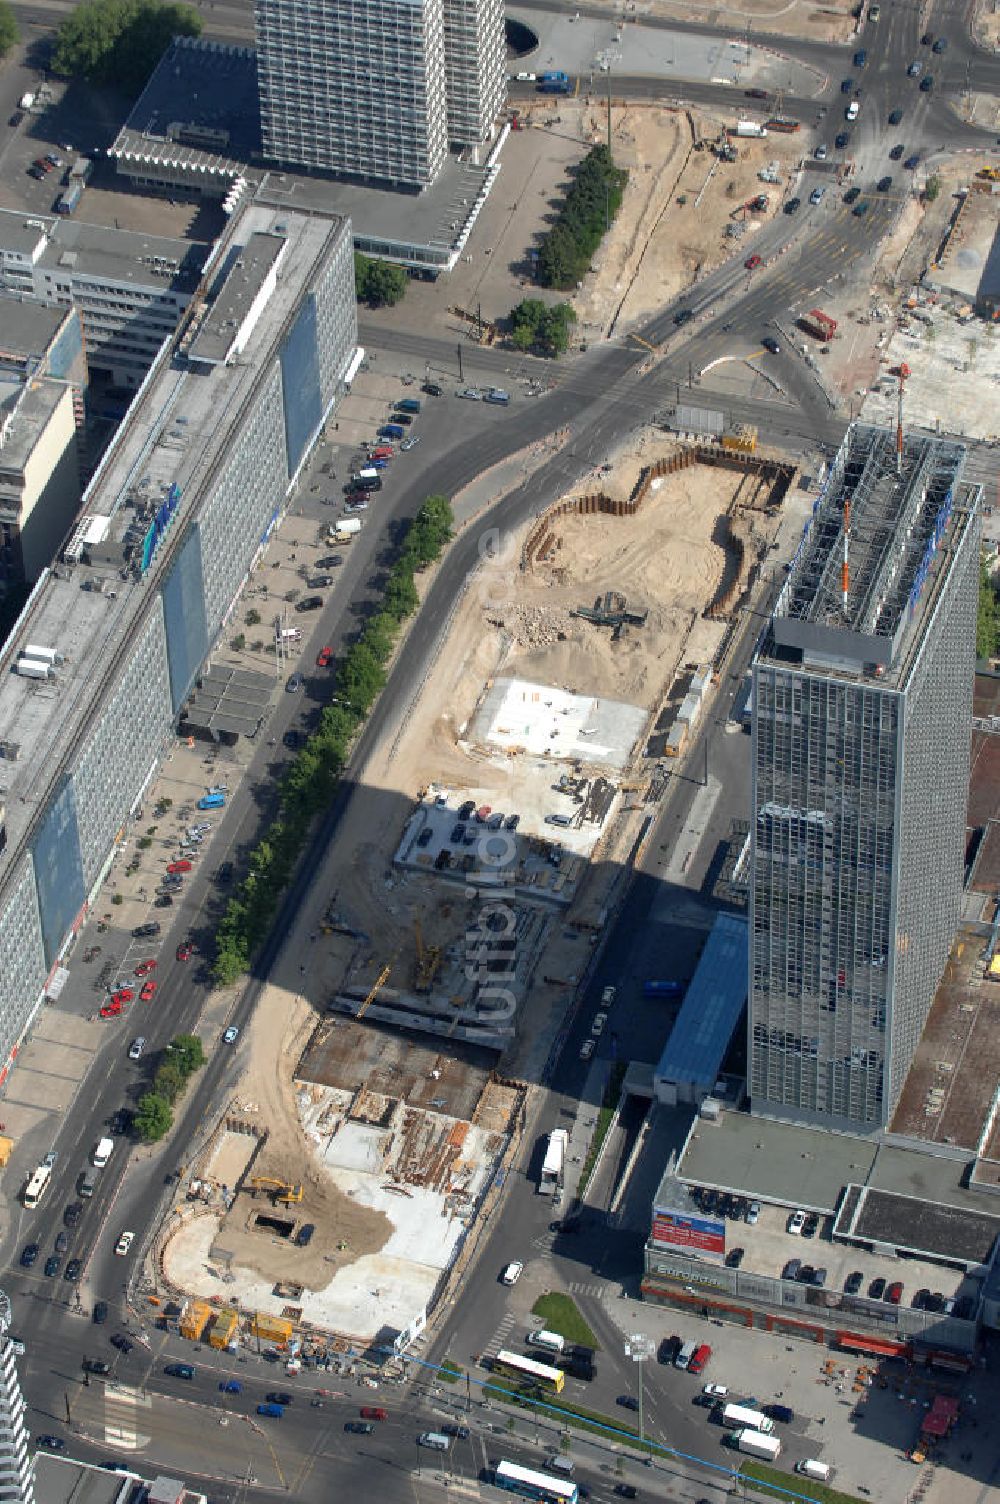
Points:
(874, 1345)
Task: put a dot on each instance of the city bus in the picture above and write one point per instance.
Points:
(532, 1485)
(528, 1372)
(554, 1163)
(37, 1185)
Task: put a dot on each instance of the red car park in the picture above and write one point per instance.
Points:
(144, 968)
(111, 1010)
(122, 996)
(752, 262)
(324, 657)
(182, 866)
(186, 950)
(147, 992)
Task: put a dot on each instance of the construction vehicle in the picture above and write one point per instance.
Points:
(428, 962)
(818, 324)
(379, 983)
(783, 123)
(283, 1191)
(611, 610)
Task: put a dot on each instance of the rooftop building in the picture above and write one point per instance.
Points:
(189, 490)
(130, 289)
(861, 734)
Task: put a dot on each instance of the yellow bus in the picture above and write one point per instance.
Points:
(529, 1373)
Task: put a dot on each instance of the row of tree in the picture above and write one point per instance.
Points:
(309, 783)
(593, 200)
(9, 34)
(542, 327)
(988, 616)
(380, 284)
(183, 1056)
(120, 42)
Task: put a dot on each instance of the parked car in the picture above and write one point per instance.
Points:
(753, 1214)
(627, 1402)
(587, 1048)
(52, 1265)
(897, 152)
(876, 1289)
(810, 1225)
(734, 1258)
(305, 1233)
(231, 1035)
(29, 1255)
(852, 195)
(359, 1428)
(853, 1282)
(50, 1443)
(842, 140)
(145, 967)
(792, 205)
(432, 389)
(324, 657)
(147, 992)
(186, 950)
(791, 1269)
(884, 184)
(100, 1313)
(817, 195)
(73, 1270)
(309, 603)
(95, 1365)
(136, 1048)
(512, 1273)
(894, 1294)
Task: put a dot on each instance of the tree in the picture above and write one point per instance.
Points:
(187, 1053)
(542, 326)
(169, 1081)
(120, 42)
(987, 618)
(932, 189)
(380, 284)
(153, 1119)
(593, 200)
(9, 34)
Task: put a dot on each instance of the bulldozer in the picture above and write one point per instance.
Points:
(281, 1191)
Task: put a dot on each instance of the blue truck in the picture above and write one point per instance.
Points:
(69, 198)
(554, 83)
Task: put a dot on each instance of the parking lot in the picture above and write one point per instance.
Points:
(770, 1246)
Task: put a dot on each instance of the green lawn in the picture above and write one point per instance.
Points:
(561, 1314)
(759, 1475)
(449, 1372)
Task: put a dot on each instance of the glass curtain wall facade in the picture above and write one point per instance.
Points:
(861, 746)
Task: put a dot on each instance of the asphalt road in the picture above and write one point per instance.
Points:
(598, 397)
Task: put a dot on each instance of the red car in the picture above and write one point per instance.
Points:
(186, 950)
(122, 996)
(111, 1010)
(894, 1294)
(182, 866)
(146, 995)
(324, 658)
(701, 1357)
(144, 968)
(751, 263)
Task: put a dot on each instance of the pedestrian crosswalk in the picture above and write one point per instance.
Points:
(499, 1338)
(125, 1409)
(597, 1292)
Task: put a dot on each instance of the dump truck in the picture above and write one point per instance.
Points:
(819, 324)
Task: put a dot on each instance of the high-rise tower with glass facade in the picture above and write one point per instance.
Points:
(861, 739)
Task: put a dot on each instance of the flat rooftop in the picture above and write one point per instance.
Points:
(27, 327)
(899, 1195)
(60, 1480)
(713, 1004)
(969, 264)
(516, 715)
(244, 281)
(947, 1093)
(33, 407)
(175, 434)
(898, 534)
(75, 247)
(199, 117)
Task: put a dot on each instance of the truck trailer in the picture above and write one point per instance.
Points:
(748, 128)
(69, 198)
(756, 1444)
(746, 1417)
(819, 324)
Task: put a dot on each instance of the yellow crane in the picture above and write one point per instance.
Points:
(377, 987)
(428, 961)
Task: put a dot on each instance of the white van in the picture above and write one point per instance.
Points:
(685, 1355)
(549, 1342)
(821, 1472)
(103, 1152)
(436, 1440)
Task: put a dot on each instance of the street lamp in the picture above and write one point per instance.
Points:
(639, 1348)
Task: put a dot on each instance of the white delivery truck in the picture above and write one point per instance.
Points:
(743, 1415)
(547, 1342)
(750, 128)
(821, 1472)
(756, 1444)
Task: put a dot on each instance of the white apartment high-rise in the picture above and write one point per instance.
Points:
(16, 1478)
(475, 63)
(354, 86)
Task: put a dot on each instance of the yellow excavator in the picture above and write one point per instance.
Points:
(282, 1191)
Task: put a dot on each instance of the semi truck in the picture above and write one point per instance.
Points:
(756, 1444)
(749, 128)
(554, 83)
(819, 324)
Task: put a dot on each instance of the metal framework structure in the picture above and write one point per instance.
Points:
(861, 732)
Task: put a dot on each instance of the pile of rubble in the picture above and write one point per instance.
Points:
(534, 626)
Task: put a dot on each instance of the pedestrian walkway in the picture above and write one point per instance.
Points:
(499, 1338)
(595, 1291)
